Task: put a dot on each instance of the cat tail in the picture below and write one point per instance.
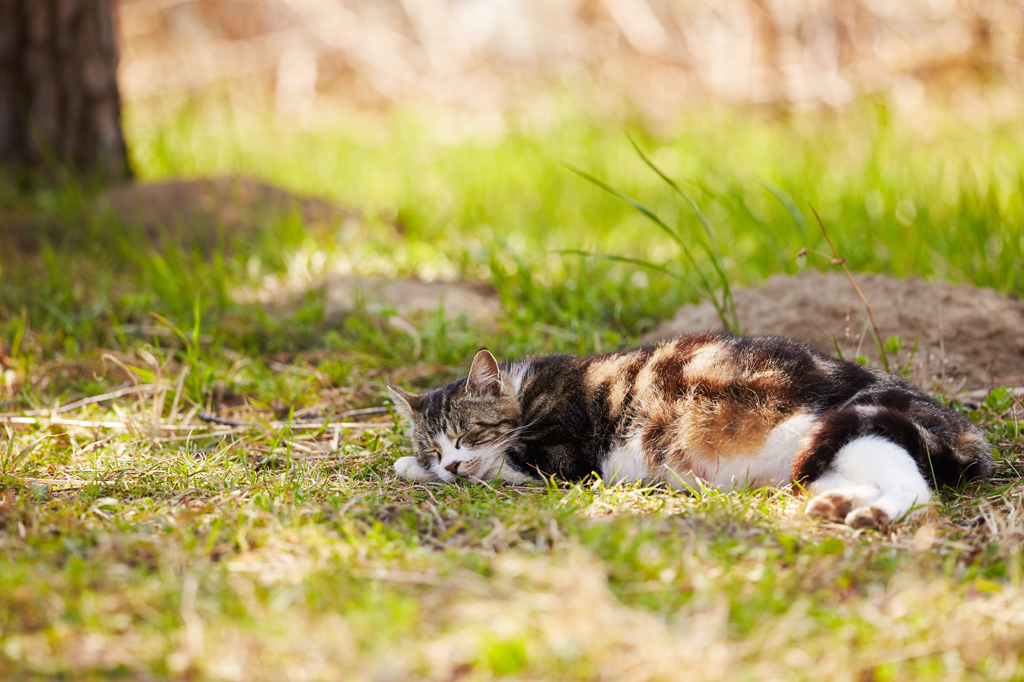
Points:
(946, 447)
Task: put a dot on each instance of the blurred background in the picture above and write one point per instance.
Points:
(614, 58)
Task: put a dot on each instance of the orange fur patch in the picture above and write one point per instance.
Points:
(700, 406)
(609, 372)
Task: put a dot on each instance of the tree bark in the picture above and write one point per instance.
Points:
(59, 103)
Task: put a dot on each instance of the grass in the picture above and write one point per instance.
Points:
(138, 541)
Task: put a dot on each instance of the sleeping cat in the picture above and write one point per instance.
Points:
(707, 409)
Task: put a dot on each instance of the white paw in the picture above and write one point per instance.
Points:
(866, 506)
(409, 468)
(836, 504)
(871, 482)
(868, 517)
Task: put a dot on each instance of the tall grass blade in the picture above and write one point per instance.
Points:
(784, 199)
(672, 183)
(634, 261)
(709, 289)
(637, 205)
(716, 256)
(835, 342)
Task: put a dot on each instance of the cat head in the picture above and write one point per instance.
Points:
(464, 429)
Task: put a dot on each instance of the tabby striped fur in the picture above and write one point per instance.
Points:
(707, 409)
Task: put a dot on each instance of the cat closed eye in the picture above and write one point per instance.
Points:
(473, 432)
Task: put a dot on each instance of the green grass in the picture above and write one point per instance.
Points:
(281, 550)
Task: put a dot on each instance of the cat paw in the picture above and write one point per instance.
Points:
(830, 506)
(852, 506)
(409, 468)
(838, 504)
(868, 517)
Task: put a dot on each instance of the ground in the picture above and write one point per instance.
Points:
(955, 337)
(140, 539)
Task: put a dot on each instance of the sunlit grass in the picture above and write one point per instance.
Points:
(138, 540)
(256, 554)
(887, 186)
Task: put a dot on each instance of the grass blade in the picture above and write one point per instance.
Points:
(12, 463)
(835, 342)
(635, 204)
(672, 183)
(714, 256)
(634, 261)
(784, 199)
(841, 262)
(709, 289)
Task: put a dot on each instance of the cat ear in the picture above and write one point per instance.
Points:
(409, 401)
(484, 376)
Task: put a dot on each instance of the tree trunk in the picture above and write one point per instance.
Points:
(59, 104)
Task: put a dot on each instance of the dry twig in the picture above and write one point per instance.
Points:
(207, 431)
(131, 390)
(840, 261)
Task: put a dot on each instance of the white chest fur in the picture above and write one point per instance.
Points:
(626, 463)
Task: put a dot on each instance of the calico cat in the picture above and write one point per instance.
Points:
(707, 409)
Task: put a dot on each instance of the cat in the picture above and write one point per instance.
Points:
(705, 409)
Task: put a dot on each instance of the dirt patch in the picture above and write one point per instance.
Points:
(968, 336)
(408, 298)
(197, 209)
(411, 297)
(192, 212)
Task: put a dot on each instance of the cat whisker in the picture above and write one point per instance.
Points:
(523, 427)
(501, 445)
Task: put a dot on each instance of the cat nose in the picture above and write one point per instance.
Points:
(453, 468)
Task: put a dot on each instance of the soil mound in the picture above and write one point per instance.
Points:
(191, 212)
(197, 209)
(968, 337)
